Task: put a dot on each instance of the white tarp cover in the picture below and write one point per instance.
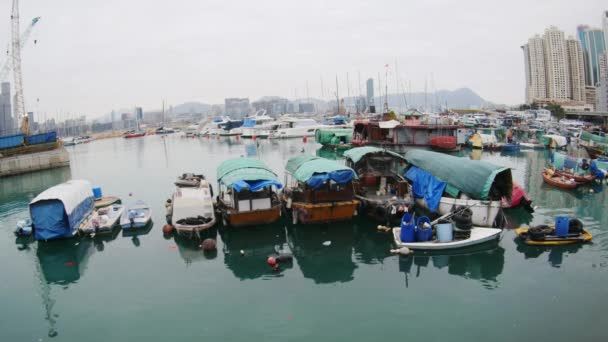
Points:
(488, 139)
(389, 124)
(70, 193)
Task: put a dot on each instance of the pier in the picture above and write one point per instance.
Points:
(10, 166)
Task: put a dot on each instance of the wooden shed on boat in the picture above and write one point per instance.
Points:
(248, 192)
(319, 190)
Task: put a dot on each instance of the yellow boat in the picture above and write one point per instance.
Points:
(553, 240)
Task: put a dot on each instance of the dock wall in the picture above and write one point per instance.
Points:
(16, 165)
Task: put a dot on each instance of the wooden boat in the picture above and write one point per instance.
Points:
(385, 195)
(190, 210)
(136, 216)
(558, 181)
(106, 201)
(478, 236)
(553, 240)
(248, 193)
(322, 190)
(594, 152)
(104, 220)
(579, 178)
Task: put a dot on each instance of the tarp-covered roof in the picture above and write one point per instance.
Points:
(244, 169)
(473, 177)
(70, 193)
(305, 166)
(357, 153)
(586, 136)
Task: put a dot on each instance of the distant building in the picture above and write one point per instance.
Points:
(590, 94)
(6, 113)
(237, 108)
(534, 61)
(605, 26)
(370, 94)
(361, 104)
(593, 44)
(576, 69)
(601, 95)
(139, 113)
(153, 118)
(305, 107)
(268, 103)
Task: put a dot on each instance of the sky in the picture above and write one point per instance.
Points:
(97, 55)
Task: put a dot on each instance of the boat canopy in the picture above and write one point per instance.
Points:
(58, 211)
(246, 173)
(356, 154)
(315, 171)
(249, 123)
(562, 161)
(326, 136)
(560, 141)
(478, 179)
(389, 124)
(586, 136)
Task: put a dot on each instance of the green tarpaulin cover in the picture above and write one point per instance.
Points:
(303, 167)
(246, 169)
(472, 177)
(357, 153)
(586, 136)
(326, 136)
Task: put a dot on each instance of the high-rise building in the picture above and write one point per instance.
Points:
(593, 44)
(237, 108)
(605, 26)
(370, 94)
(576, 69)
(536, 78)
(556, 59)
(601, 94)
(7, 124)
(139, 113)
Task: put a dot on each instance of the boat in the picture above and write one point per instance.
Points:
(381, 188)
(24, 228)
(134, 134)
(337, 138)
(190, 210)
(256, 125)
(104, 220)
(478, 235)
(248, 193)
(230, 127)
(510, 147)
(579, 178)
(191, 131)
(545, 236)
(528, 137)
(136, 216)
(595, 152)
(291, 127)
(164, 130)
(189, 180)
(320, 190)
(554, 141)
(442, 182)
(519, 197)
(106, 201)
(558, 181)
(401, 136)
(61, 210)
(571, 167)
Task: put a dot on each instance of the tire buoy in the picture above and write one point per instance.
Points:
(167, 229)
(284, 257)
(271, 261)
(209, 245)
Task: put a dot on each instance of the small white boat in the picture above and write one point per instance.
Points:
(104, 219)
(136, 216)
(478, 236)
(296, 128)
(531, 145)
(191, 210)
(213, 128)
(192, 131)
(484, 212)
(256, 125)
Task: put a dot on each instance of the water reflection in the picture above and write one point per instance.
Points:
(555, 254)
(134, 234)
(257, 243)
(330, 153)
(483, 263)
(324, 252)
(191, 250)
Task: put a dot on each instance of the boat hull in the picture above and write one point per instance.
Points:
(323, 212)
(478, 236)
(577, 178)
(484, 212)
(191, 231)
(251, 218)
(558, 182)
(522, 233)
(106, 201)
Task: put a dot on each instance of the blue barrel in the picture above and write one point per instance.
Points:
(445, 232)
(97, 193)
(408, 228)
(562, 225)
(423, 234)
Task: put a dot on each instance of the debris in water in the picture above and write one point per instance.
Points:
(327, 243)
(242, 252)
(70, 263)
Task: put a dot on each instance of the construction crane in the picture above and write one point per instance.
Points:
(6, 68)
(19, 103)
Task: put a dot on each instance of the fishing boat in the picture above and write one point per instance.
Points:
(571, 167)
(318, 190)
(595, 152)
(256, 125)
(106, 201)
(60, 211)
(487, 142)
(190, 210)
(104, 220)
(545, 236)
(136, 216)
(292, 127)
(558, 181)
(383, 192)
(248, 193)
(478, 235)
(441, 183)
(554, 141)
(337, 138)
(189, 180)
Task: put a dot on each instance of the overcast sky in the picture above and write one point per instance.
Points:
(97, 55)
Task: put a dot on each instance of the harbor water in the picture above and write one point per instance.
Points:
(343, 283)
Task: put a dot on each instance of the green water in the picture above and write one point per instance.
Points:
(148, 288)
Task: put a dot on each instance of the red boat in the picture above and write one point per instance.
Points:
(443, 143)
(134, 134)
(577, 178)
(560, 182)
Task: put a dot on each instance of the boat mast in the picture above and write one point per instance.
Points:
(386, 88)
(347, 90)
(337, 95)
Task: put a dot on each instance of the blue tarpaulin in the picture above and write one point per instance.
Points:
(339, 176)
(426, 186)
(255, 185)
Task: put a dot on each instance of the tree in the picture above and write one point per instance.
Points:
(556, 110)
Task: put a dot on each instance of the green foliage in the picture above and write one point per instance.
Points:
(556, 110)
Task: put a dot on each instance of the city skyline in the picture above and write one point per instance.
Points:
(95, 57)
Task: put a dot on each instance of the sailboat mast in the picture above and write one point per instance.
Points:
(337, 95)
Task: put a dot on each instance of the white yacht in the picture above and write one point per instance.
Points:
(257, 125)
(290, 127)
(214, 127)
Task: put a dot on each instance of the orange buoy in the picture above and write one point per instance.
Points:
(305, 139)
(271, 261)
(167, 229)
(209, 245)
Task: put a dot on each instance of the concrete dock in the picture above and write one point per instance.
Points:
(10, 166)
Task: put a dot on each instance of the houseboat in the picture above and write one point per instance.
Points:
(442, 183)
(319, 190)
(248, 193)
(384, 193)
(401, 136)
(60, 211)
